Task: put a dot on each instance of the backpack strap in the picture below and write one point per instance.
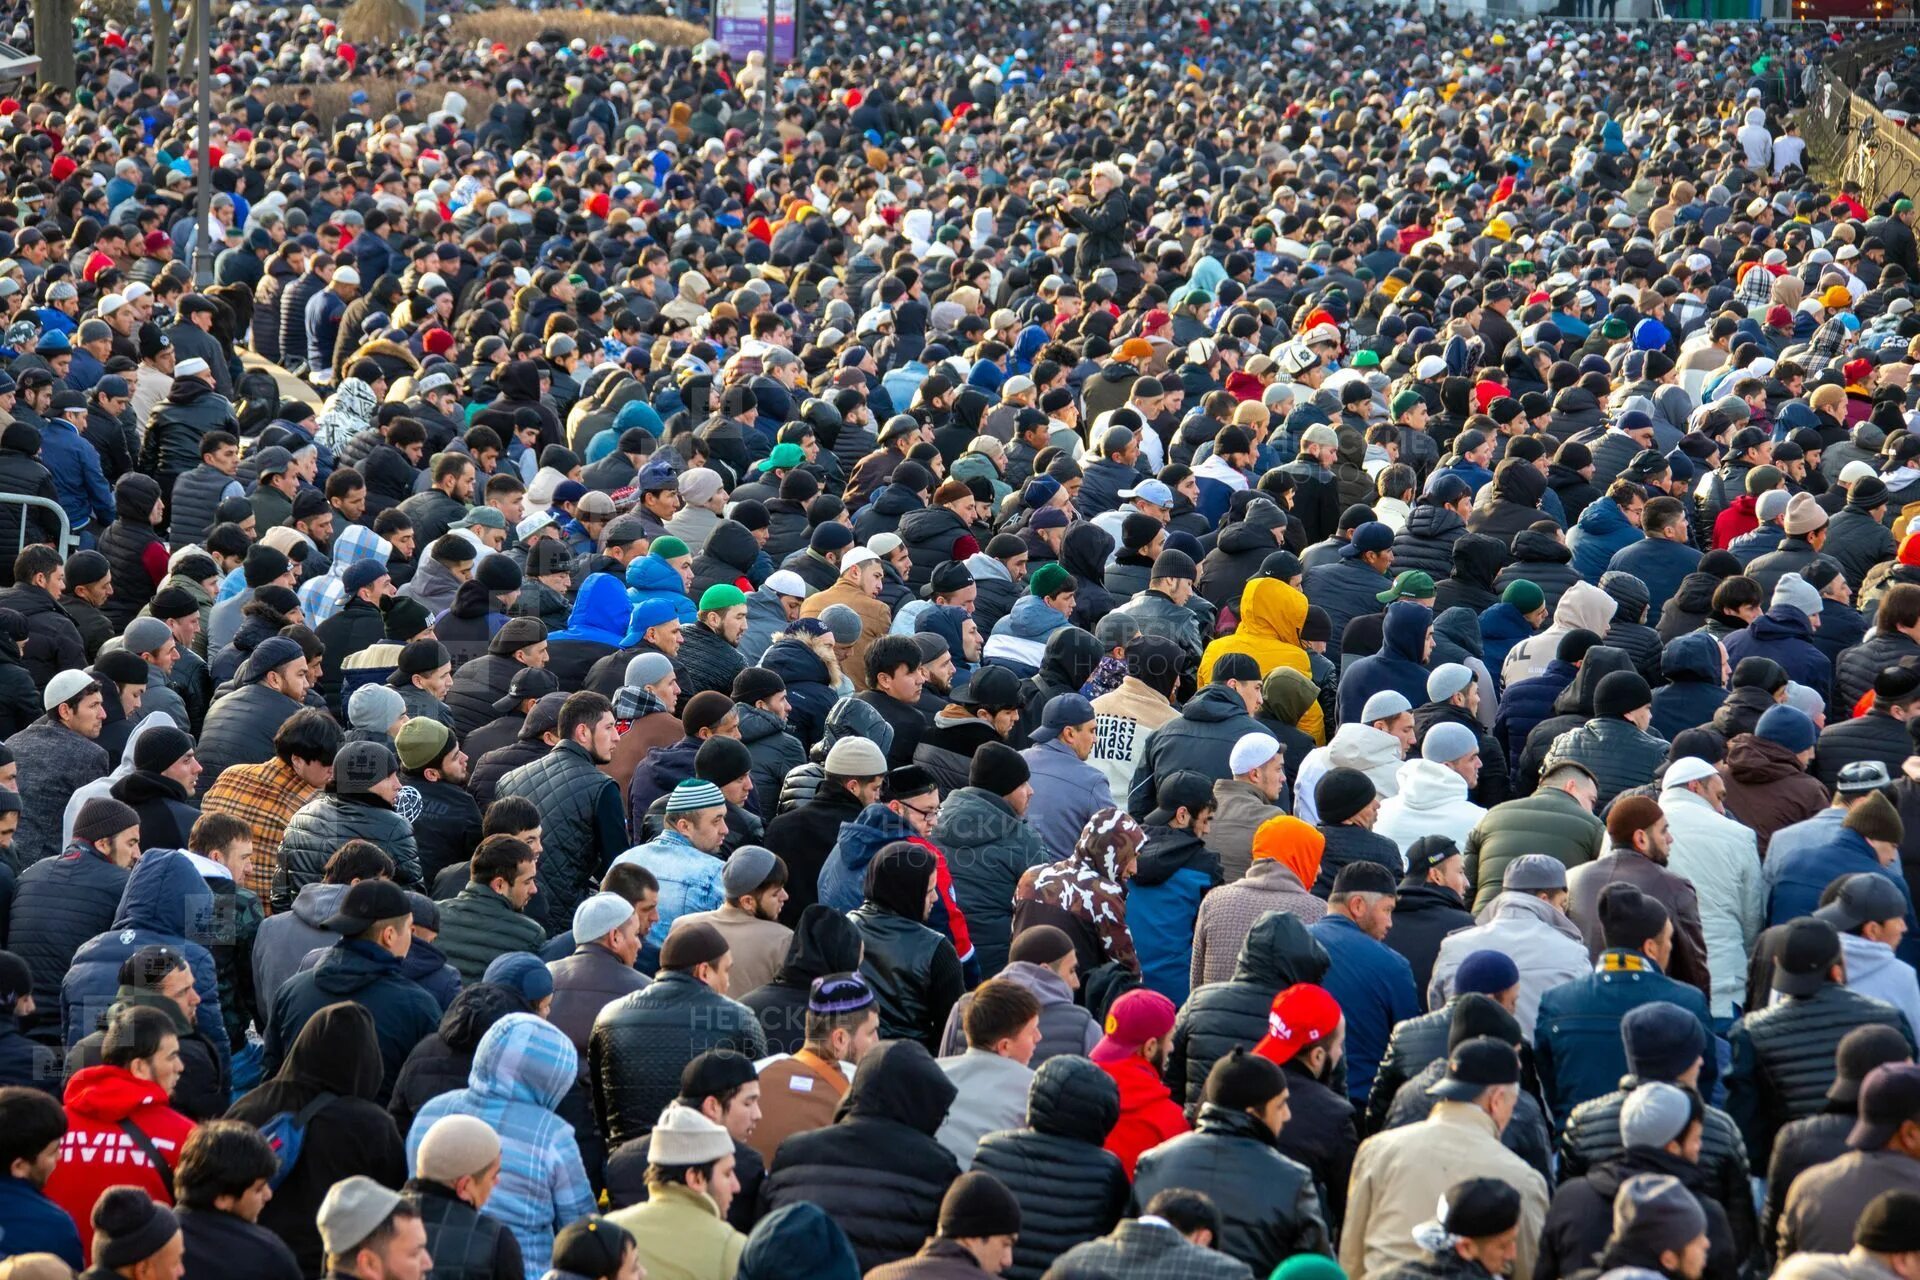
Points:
(160, 1167)
(306, 1114)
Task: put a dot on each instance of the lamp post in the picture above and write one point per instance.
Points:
(766, 111)
(203, 195)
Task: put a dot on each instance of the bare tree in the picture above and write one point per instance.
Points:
(162, 48)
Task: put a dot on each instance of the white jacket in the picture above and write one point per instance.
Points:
(1583, 605)
(1537, 936)
(1722, 859)
(1432, 802)
(1374, 752)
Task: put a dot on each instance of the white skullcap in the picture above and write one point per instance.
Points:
(1252, 751)
(599, 916)
(1384, 705)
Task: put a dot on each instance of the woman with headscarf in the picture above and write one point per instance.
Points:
(1085, 894)
(913, 970)
(335, 1054)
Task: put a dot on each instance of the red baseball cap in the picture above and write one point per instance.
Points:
(1302, 1016)
(1135, 1018)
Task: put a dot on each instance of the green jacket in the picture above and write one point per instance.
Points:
(478, 926)
(1548, 821)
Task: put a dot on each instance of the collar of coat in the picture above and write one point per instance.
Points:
(1620, 961)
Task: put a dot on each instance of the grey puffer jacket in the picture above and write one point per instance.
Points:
(1618, 755)
(1427, 541)
(328, 821)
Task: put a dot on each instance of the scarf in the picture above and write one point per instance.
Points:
(632, 703)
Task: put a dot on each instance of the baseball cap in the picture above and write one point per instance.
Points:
(1301, 1016)
(1476, 1065)
(1135, 1018)
(1889, 1097)
(1063, 711)
(1154, 491)
(1865, 898)
(1810, 949)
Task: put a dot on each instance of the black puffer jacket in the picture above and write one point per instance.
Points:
(1414, 1045)
(1278, 953)
(1269, 1210)
(1856, 669)
(59, 904)
(1592, 1134)
(1427, 541)
(1527, 1134)
(1873, 736)
(480, 682)
(1783, 1058)
(1544, 561)
(1070, 1188)
(328, 821)
(728, 557)
(641, 1042)
(705, 662)
(1797, 1148)
(876, 1170)
(932, 535)
(1582, 1214)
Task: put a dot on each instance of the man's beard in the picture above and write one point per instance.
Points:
(939, 686)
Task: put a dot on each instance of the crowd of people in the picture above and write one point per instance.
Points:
(1285, 646)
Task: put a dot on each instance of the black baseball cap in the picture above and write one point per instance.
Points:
(1810, 949)
(366, 902)
(1888, 1099)
(995, 688)
(1864, 898)
(1475, 1066)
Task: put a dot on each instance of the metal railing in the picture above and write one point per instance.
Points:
(26, 501)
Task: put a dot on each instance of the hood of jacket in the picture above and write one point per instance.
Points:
(1425, 785)
(109, 1095)
(981, 565)
(1477, 558)
(1585, 605)
(1458, 627)
(336, 1052)
(1603, 518)
(1243, 537)
(1695, 656)
(1601, 660)
(1524, 906)
(316, 904)
(1519, 482)
(1214, 704)
(1032, 618)
(1431, 520)
(757, 724)
(350, 966)
(474, 1011)
(1168, 851)
(1755, 761)
(1782, 622)
(1270, 608)
(1695, 593)
(898, 1080)
(524, 1058)
(602, 607)
(1867, 960)
(896, 500)
(1531, 546)
(1279, 952)
(1286, 694)
(472, 600)
(166, 895)
(876, 827)
(732, 544)
(1085, 550)
(518, 380)
(824, 941)
(1071, 1097)
(651, 573)
(1404, 632)
(1070, 658)
(1363, 747)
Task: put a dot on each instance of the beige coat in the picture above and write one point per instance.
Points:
(1239, 810)
(1122, 721)
(759, 946)
(1400, 1175)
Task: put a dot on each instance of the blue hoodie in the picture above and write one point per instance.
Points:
(1601, 530)
(1693, 691)
(600, 614)
(166, 901)
(1019, 640)
(843, 879)
(521, 1071)
(1400, 665)
(1501, 627)
(651, 578)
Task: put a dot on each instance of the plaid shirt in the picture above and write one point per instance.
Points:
(322, 597)
(264, 796)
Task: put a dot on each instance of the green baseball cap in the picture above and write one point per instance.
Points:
(1411, 585)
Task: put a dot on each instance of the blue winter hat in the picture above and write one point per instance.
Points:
(1788, 726)
(798, 1242)
(524, 973)
(1487, 973)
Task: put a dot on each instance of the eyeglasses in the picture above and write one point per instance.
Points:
(926, 814)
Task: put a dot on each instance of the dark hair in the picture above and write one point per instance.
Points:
(509, 816)
(1623, 492)
(1000, 1008)
(358, 860)
(221, 1158)
(1662, 513)
(499, 857)
(1186, 1211)
(227, 539)
(214, 441)
(450, 464)
(391, 521)
(890, 653)
(1735, 593)
(35, 560)
(343, 482)
(150, 966)
(310, 734)
(402, 432)
(582, 710)
(630, 880)
(661, 1174)
(134, 1034)
(1900, 607)
(30, 1121)
(504, 483)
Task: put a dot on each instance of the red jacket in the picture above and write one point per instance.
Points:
(97, 1153)
(1738, 518)
(1148, 1114)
